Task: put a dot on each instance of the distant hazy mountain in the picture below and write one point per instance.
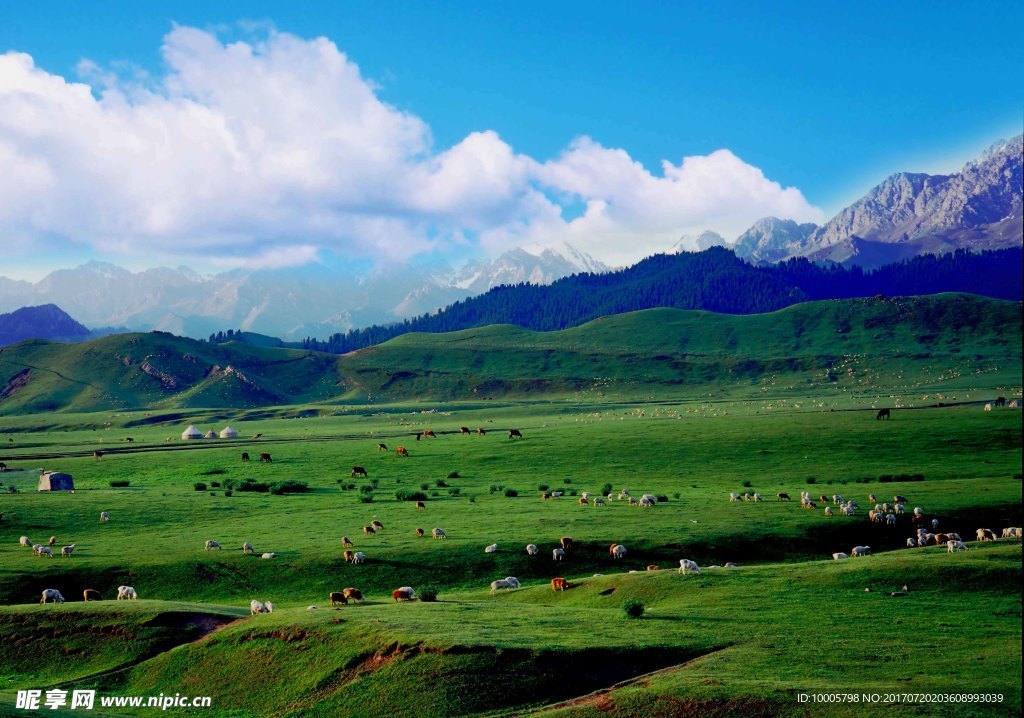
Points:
(45, 322)
(705, 240)
(290, 303)
(979, 207)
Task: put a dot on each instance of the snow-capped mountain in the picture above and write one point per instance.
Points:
(705, 240)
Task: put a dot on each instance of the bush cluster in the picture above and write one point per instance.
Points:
(406, 495)
(276, 488)
(119, 484)
(633, 609)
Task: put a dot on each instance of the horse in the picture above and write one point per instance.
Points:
(358, 471)
(464, 430)
(97, 454)
(515, 434)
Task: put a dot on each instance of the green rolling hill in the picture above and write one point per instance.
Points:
(902, 344)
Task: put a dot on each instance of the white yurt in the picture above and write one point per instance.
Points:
(228, 433)
(191, 433)
(211, 434)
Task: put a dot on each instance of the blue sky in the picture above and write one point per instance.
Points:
(826, 98)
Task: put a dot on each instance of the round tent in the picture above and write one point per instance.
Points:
(228, 433)
(211, 434)
(191, 433)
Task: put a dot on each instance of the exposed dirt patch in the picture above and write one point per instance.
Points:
(16, 382)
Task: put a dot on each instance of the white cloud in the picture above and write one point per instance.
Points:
(262, 152)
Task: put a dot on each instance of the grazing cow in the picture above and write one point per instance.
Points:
(126, 593)
(618, 551)
(531, 549)
(438, 534)
(508, 582)
(91, 594)
(687, 566)
(582, 501)
(988, 407)
(401, 451)
(860, 551)
(598, 501)
(654, 567)
(211, 545)
(359, 471)
(377, 525)
(420, 505)
(353, 594)
(347, 555)
(65, 551)
(97, 454)
(565, 542)
(1000, 401)
(338, 597)
(515, 434)
(545, 496)
(429, 434)
(129, 439)
(839, 555)
(51, 595)
(245, 457)
(558, 554)
(269, 555)
(782, 497)
(247, 548)
(734, 497)
(464, 430)
(382, 447)
(480, 431)
(954, 546)
(346, 541)
(559, 584)
(265, 458)
(369, 530)
(405, 593)
(358, 557)
(882, 414)
(104, 516)
(491, 549)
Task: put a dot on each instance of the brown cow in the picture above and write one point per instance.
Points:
(265, 458)
(245, 456)
(559, 584)
(402, 451)
(353, 594)
(382, 447)
(545, 496)
(464, 430)
(346, 541)
(515, 434)
(359, 471)
(420, 505)
(582, 501)
(377, 524)
(338, 597)
(782, 497)
(419, 532)
(97, 454)
(565, 542)
(53, 540)
(480, 431)
(654, 567)
(403, 594)
(348, 556)
(369, 530)
(429, 434)
(91, 594)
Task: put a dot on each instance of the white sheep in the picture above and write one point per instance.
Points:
(860, 551)
(734, 497)
(126, 593)
(269, 606)
(51, 595)
(646, 503)
(45, 551)
(911, 543)
(687, 566)
(598, 501)
(531, 549)
(211, 545)
(104, 516)
(269, 555)
(828, 511)
(65, 551)
(491, 549)
(586, 495)
(954, 546)
(618, 551)
(839, 555)
(507, 582)
(358, 557)
(247, 548)
(890, 519)
(25, 541)
(986, 535)
(257, 607)
(438, 534)
(558, 554)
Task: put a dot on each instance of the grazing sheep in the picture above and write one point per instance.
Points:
(988, 407)
(1009, 533)
(211, 545)
(269, 605)
(618, 551)
(382, 447)
(986, 535)
(848, 510)
(758, 498)
(531, 549)
(582, 501)
(653, 567)
(420, 505)
(828, 511)
(51, 595)
(911, 543)
(559, 584)
(730, 564)
(346, 541)
(353, 594)
(633, 501)
(918, 511)
(104, 516)
(687, 566)
(556, 494)
(405, 593)
(782, 497)
(899, 499)
(586, 495)
(646, 503)
(507, 582)
(245, 456)
(734, 497)
(954, 546)
(53, 541)
(860, 551)
(839, 555)
(269, 555)
(90, 594)
(25, 541)
(420, 532)
(126, 593)
(565, 542)
(45, 551)
(598, 501)
(377, 525)
(35, 548)
(872, 498)
(650, 497)
(65, 551)
(890, 519)
(746, 497)
(347, 555)
(257, 607)
(900, 509)
(247, 548)
(438, 534)
(338, 597)
(491, 549)
(368, 530)
(558, 554)
(358, 557)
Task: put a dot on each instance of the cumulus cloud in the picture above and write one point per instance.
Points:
(262, 152)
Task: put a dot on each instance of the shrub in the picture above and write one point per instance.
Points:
(495, 488)
(454, 492)
(472, 498)
(213, 472)
(747, 485)
(427, 594)
(441, 484)
(888, 478)
(366, 489)
(342, 482)
(676, 495)
(199, 486)
(289, 487)
(633, 609)
(406, 495)
(119, 484)
(213, 493)
(567, 481)
(606, 489)
(543, 487)
(454, 475)
(661, 498)
(215, 484)
(424, 487)
(247, 485)
(228, 492)
(573, 492)
(511, 493)
(435, 492)
(374, 482)
(811, 480)
(350, 486)
(366, 499)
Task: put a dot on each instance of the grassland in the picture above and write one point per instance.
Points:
(731, 641)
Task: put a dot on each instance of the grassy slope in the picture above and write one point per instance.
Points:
(831, 347)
